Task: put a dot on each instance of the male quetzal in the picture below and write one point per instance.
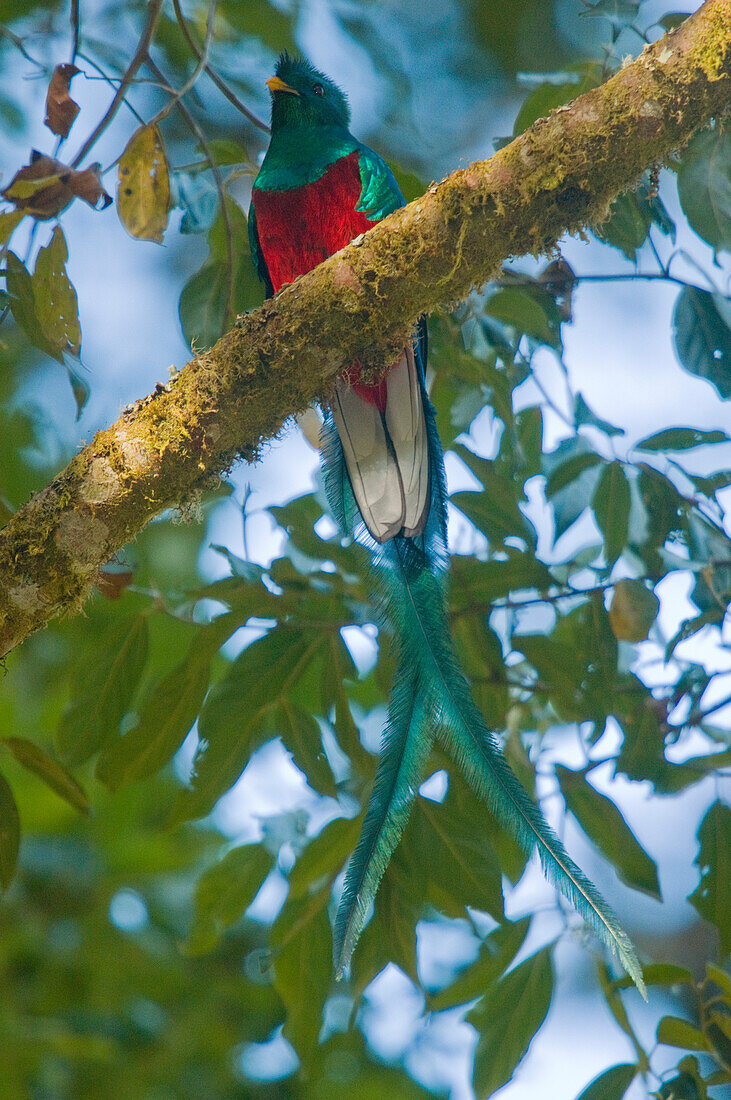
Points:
(317, 189)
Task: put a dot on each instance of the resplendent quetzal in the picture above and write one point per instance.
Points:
(317, 189)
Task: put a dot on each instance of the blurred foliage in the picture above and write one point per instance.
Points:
(126, 950)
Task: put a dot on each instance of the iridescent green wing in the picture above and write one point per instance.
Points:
(380, 195)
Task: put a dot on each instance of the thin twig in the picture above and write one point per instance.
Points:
(696, 716)
(217, 80)
(218, 180)
(656, 254)
(75, 29)
(177, 96)
(18, 42)
(620, 277)
(110, 80)
(153, 13)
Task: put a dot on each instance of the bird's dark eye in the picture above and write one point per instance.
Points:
(318, 89)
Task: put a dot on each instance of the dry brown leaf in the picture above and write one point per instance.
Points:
(46, 186)
(61, 110)
(143, 197)
(112, 579)
(559, 280)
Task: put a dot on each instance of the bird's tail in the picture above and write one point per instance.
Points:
(431, 698)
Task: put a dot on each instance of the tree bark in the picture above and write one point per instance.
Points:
(558, 177)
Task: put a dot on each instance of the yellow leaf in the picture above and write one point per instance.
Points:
(8, 222)
(143, 196)
(633, 611)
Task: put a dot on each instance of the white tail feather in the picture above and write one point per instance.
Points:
(386, 454)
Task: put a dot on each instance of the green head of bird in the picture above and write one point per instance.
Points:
(304, 97)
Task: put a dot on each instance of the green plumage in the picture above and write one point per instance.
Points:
(430, 697)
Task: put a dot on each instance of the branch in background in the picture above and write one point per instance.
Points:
(75, 29)
(217, 80)
(201, 65)
(557, 177)
(111, 81)
(153, 14)
(19, 43)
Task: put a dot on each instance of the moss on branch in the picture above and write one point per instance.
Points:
(558, 177)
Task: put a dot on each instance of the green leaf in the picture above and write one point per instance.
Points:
(19, 285)
(495, 511)
(324, 856)
(616, 1007)
(520, 309)
(644, 737)
(675, 1032)
(390, 935)
(672, 20)
(244, 710)
(630, 218)
(481, 657)
(560, 668)
(555, 93)
(9, 220)
(103, 689)
(302, 941)
(164, 723)
(686, 1086)
(712, 898)
(710, 547)
(626, 227)
(301, 736)
(53, 774)
(569, 501)
(658, 974)
(703, 338)
(680, 439)
(463, 868)
(9, 833)
(259, 19)
(216, 293)
(224, 892)
(482, 582)
(633, 610)
(612, 1084)
(661, 502)
(569, 471)
(497, 951)
(611, 503)
(411, 186)
(677, 777)
(56, 304)
(583, 414)
(704, 186)
(507, 1018)
(604, 825)
(720, 978)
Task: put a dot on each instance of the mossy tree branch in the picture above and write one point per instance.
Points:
(557, 177)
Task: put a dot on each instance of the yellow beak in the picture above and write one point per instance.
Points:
(274, 84)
